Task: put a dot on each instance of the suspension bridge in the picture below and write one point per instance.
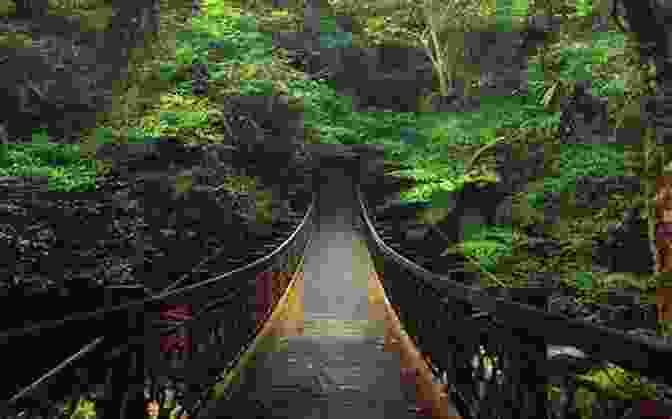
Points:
(334, 323)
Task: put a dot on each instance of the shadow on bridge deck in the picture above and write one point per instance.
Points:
(334, 347)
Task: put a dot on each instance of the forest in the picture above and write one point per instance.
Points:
(531, 140)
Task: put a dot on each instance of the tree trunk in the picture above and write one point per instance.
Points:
(663, 245)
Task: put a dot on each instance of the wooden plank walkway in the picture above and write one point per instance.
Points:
(338, 362)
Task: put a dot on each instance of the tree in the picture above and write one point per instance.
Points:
(443, 38)
(440, 28)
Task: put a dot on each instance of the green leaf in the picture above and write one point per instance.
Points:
(668, 167)
(4, 153)
(443, 199)
(520, 7)
(247, 23)
(488, 133)
(135, 134)
(40, 136)
(584, 280)
(169, 118)
(584, 7)
(167, 71)
(104, 135)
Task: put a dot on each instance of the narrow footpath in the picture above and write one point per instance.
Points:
(337, 350)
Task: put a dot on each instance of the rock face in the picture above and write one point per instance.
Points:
(268, 132)
(501, 59)
(391, 77)
(626, 246)
(264, 124)
(539, 28)
(199, 79)
(595, 192)
(585, 118)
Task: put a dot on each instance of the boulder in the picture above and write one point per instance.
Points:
(517, 170)
(543, 247)
(399, 91)
(455, 102)
(504, 212)
(585, 118)
(626, 246)
(264, 124)
(199, 79)
(389, 77)
(595, 192)
(150, 154)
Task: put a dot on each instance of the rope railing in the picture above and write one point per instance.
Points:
(501, 357)
(180, 347)
(68, 362)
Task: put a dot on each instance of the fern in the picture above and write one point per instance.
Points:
(485, 247)
(487, 252)
(584, 7)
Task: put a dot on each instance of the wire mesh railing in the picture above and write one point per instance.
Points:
(184, 338)
(505, 359)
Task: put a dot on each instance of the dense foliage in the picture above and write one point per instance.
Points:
(442, 151)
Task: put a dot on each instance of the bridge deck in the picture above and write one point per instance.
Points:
(339, 362)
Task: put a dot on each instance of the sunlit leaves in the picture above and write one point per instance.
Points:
(427, 190)
(178, 113)
(584, 7)
(62, 164)
(587, 59)
(256, 87)
(484, 244)
(16, 40)
(550, 95)
(248, 71)
(481, 176)
(433, 215)
(520, 7)
(84, 409)
(619, 383)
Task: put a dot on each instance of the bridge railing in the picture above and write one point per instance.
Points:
(103, 369)
(504, 359)
(184, 339)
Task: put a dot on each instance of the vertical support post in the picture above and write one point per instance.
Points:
(264, 295)
(663, 240)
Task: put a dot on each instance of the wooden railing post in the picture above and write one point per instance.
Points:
(264, 296)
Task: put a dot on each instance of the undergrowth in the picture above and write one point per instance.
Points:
(442, 152)
(60, 164)
(436, 147)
